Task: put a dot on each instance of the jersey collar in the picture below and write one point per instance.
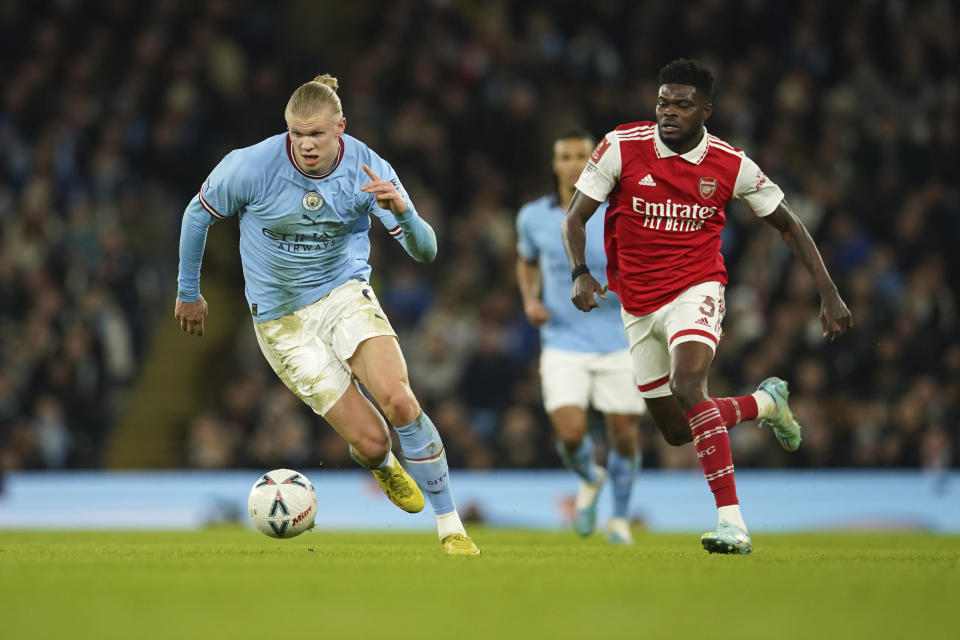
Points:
(333, 167)
(694, 156)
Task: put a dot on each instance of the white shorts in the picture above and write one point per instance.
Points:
(602, 380)
(308, 349)
(696, 315)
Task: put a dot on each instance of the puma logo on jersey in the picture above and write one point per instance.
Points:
(647, 181)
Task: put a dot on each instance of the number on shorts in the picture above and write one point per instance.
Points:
(709, 306)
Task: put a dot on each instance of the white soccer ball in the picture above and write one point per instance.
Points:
(282, 503)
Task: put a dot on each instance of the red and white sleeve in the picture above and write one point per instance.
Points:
(753, 187)
(602, 172)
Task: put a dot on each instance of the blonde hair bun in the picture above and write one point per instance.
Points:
(328, 80)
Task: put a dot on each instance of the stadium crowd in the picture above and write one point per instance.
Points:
(113, 112)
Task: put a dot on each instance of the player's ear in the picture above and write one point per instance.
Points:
(341, 125)
(707, 110)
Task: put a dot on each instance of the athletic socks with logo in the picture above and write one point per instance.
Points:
(427, 462)
(622, 472)
(712, 443)
(581, 460)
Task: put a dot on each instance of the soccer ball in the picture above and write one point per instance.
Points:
(282, 503)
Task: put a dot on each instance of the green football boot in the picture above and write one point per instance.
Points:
(785, 426)
(728, 538)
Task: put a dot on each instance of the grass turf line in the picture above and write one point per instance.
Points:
(235, 583)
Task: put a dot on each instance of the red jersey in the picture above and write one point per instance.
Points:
(666, 211)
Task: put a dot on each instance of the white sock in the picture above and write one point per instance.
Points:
(766, 407)
(731, 513)
(388, 462)
(449, 523)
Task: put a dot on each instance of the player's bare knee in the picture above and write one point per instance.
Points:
(625, 444)
(373, 448)
(399, 405)
(570, 439)
(677, 435)
(688, 389)
(622, 431)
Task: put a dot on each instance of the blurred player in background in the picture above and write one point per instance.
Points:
(304, 199)
(668, 185)
(581, 363)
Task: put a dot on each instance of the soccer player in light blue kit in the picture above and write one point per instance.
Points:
(304, 199)
(581, 363)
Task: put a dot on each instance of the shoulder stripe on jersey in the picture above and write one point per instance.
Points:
(732, 152)
(726, 146)
(644, 134)
(209, 209)
(396, 231)
(637, 138)
(336, 163)
(643, 127)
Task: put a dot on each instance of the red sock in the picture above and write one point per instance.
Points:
(736, 410)
(713, 449)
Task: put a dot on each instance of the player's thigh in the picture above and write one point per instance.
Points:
(613, 387)
(696, 315)
(564, 379)
(648, 352)
(356, 419)
(305, 364)
(378, 363)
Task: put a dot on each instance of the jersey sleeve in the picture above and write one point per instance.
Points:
(602, 172)
(753, 187)
(226, 191)
(526, 246)
(409, 229)
(228, 188)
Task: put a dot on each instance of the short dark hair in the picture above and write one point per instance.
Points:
(574, 133)
(689, 72)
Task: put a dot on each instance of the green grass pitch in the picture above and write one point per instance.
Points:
(235, 583)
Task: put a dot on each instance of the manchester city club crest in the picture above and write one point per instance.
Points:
(708, 186)
(313, 201)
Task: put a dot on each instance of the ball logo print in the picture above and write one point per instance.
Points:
(312, 201)
(282, 504)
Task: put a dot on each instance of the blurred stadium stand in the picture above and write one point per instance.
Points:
(113, 113)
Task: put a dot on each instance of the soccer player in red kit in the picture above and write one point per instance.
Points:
(668, 184)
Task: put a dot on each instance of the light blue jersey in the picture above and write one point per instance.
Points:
(301, 235)
(538, 232)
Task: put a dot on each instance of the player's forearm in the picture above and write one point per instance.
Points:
(574, 229)
(574, 240)
(419, 239)
(529, 281)
(798, 239)
(193, 239)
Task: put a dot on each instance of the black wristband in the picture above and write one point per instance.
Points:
(579, 270)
